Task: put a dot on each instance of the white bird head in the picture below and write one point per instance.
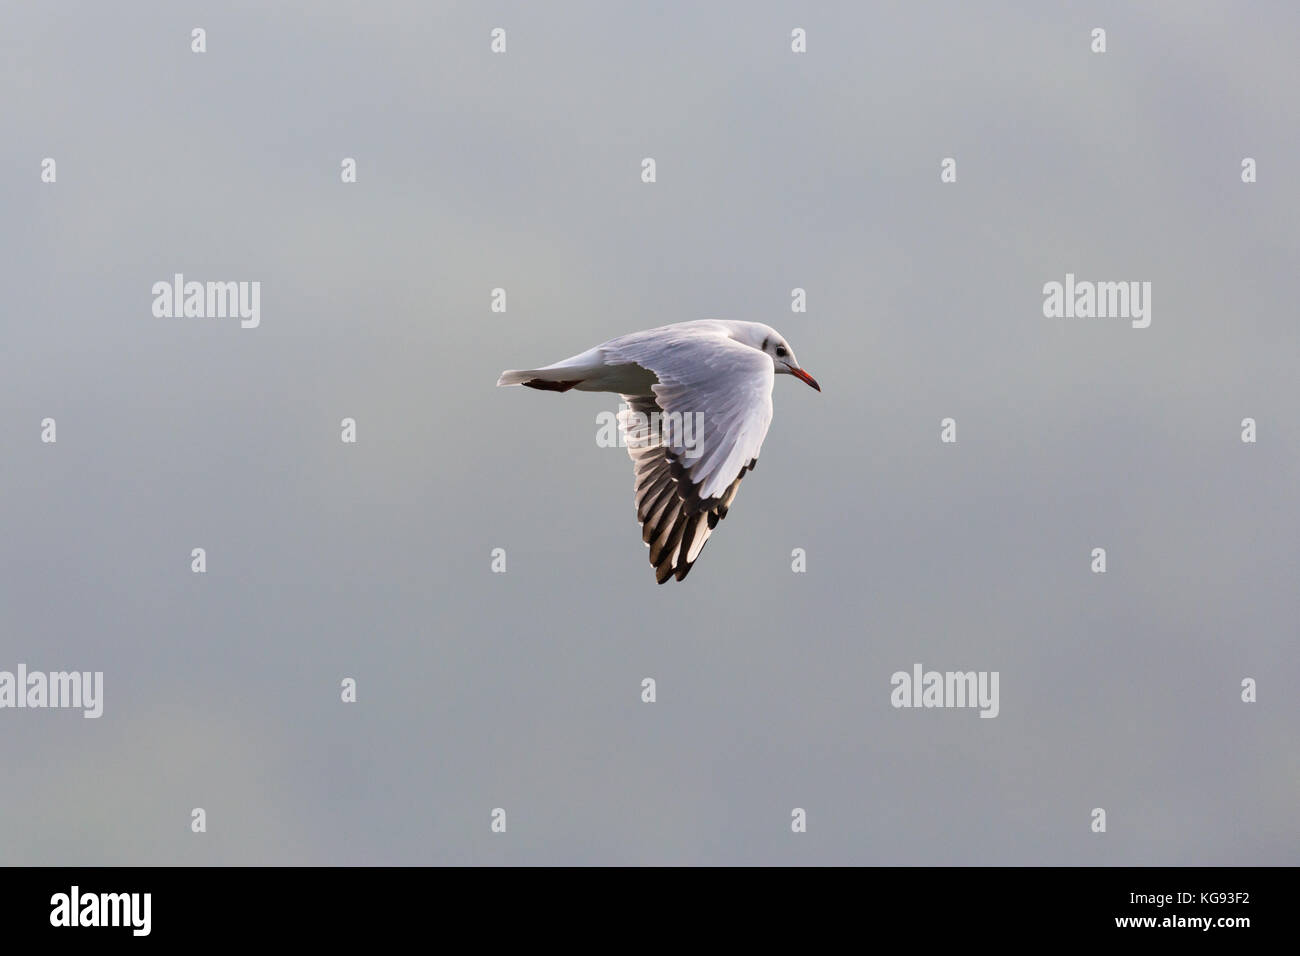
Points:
(769, 340)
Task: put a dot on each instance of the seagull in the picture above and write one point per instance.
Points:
(698, 399)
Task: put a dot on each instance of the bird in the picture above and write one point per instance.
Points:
(697, 405)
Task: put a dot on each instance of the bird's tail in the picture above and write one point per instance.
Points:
(559, 377)
(548, 379)
(513, 377)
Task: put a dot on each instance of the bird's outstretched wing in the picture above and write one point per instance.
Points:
(693, 439)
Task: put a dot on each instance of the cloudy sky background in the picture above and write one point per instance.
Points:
(478, 690)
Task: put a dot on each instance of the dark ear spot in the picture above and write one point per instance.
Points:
(763, 347)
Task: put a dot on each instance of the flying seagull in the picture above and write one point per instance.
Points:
(699, 400)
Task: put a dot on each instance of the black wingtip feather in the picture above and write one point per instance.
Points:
(684, 513)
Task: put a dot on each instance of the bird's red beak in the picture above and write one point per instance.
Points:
(804, 376)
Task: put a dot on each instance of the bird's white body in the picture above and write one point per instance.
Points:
(607, 367)
(718, 372)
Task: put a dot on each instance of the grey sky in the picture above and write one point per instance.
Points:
(775, 170)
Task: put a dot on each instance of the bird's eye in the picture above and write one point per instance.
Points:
(781, 352)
